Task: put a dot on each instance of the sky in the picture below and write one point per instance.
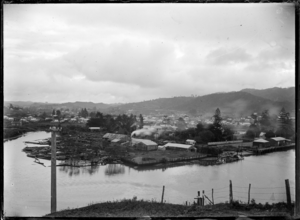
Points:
(122, 53)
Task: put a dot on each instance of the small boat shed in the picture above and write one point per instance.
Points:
(261, 143)
(279, 141)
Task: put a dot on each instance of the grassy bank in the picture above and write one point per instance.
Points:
(135, 208)
(11, 133)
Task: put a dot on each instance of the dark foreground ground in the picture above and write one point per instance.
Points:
(134, 208)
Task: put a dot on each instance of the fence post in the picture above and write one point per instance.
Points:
(212, 196)
(230, 192)
(162, 196)
(288, 193)
(249, 193)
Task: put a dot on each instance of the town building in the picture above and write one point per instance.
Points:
(112, 136)
(175, 146)
(143, 144)
(190, 142)
(94, 128)
(261, 143)
(278, 141)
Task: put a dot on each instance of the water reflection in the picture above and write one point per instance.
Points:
(113, 169)
(75, 171)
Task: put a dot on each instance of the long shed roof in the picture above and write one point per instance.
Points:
(260, 141)
(144, 141)
(112, 136)
(279, 139)
(185, 146)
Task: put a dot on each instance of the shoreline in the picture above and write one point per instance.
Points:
(43, 152)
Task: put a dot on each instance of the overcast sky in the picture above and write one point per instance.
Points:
(116, 53)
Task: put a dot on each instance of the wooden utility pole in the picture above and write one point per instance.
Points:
(212, 196)
(53, 168)
(249, 193)
(288, 194)
(162, 196)
(230, 192)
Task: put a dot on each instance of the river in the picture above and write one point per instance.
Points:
(27, 184)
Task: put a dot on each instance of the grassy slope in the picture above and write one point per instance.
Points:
(133, 208)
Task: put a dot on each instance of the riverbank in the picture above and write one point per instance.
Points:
(15, 132)
(140, 208)
(80, 147)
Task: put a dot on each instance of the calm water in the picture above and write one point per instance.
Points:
(27, 184)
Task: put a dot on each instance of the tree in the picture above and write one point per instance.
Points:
(200, 127)
(216, 127)
(250, 134)
(44, 115)
(92, 114)
(227, 134)
(253, 131)
(181, 125)
(205, 136)
(141, 121)
(270, 134)
(58, 113)
(265, 121)
(285, 127)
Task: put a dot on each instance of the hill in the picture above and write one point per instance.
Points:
(275, 94)
(234, 104)
(161, 104)
(69, 105)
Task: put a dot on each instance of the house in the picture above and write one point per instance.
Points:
(175, 146)
(262, 135)
(190, 142)
(161, 148)
(112, 136)
(115, 142)
(278, 141)
(94, 128)
(143, 144)
(261, 143)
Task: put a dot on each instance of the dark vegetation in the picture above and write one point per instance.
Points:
(272, 125)
(122, 124)
(139, 208)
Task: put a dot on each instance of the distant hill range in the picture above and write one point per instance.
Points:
(234, 104)
(275, 94)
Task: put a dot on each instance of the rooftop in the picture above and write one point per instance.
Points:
(260, 141)
(144, 141)
(185, 146)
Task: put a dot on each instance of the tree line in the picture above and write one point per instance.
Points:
(272, 126)
(122, 124)
(204, 133)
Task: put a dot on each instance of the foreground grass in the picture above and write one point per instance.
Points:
(134, 208)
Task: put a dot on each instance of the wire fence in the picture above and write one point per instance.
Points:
(250, 194)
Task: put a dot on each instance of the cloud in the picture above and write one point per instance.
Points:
(127, 53)
(136, 62)
(222, 56)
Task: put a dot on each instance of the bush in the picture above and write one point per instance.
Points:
(163, 160)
